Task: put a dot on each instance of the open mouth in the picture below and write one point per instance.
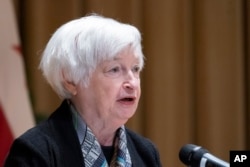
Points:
(127, 99)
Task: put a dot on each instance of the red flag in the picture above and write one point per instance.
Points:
(15, 110)
(6, 136)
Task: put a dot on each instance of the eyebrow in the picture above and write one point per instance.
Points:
(119, 58)
(116, 58)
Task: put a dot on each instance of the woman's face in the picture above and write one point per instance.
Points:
(114, 89)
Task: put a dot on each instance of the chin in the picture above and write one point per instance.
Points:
(127, 114)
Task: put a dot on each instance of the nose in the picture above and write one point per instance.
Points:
(129, 86)
(131, 82)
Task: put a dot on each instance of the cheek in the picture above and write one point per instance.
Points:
(109, 90)
(139, 87)
(139, 94)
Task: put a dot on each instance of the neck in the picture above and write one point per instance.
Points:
(104, 137)
(103, 130)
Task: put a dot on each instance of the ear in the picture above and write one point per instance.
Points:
(69, 85)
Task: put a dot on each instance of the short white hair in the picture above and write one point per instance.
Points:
(78, 46)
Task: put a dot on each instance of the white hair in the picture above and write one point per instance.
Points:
(78, 46)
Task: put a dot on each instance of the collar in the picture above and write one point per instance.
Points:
(79, 125)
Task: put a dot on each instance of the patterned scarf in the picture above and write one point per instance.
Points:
(91, 149)
(94, 157)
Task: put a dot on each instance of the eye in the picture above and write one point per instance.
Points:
(136, 69)
(115, 69)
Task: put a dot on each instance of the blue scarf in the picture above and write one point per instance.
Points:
(92, 151)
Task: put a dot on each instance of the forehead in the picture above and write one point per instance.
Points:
(122, 59)
(125, 54)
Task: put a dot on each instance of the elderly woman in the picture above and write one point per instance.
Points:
(93, 64)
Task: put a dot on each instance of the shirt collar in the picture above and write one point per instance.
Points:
(79, 125)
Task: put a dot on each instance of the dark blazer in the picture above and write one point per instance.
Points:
(54, 143)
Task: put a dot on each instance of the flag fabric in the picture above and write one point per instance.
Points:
(15, 109)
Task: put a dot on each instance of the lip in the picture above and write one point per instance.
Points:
(127, 100)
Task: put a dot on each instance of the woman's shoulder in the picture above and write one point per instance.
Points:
(37, 137)
(30, 148)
